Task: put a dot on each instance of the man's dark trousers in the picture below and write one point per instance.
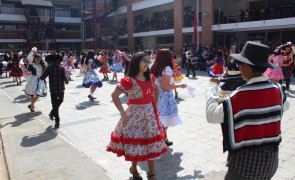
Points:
(189, 68)
(56, 100)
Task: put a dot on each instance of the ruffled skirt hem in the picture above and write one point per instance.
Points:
(116, 68)
(98, 84)
(170, 121)
(104, 71)
(178, 79)
(138, 158)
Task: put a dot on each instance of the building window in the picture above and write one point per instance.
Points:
(63, 8)
(165, 40)
(123, 42)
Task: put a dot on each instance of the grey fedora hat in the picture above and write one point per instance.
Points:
(254, 54)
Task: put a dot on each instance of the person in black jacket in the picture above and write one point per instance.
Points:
(57, 80)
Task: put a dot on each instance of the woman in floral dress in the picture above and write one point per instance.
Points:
(139, 135)
(91, 78)
(105, 66)
(168, 110)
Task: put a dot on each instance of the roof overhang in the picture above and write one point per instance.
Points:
(39, 3)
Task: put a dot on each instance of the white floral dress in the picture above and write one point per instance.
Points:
(167, 107)
(35, 86)
(142, 137)
(91, 78)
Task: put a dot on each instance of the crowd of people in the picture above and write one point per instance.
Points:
(159, 22)
(258, 10)
(151, 79)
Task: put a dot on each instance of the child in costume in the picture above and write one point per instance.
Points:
(105, 66)
(69, 65)
(35, 87)
(91, 79)
(177, 76)
(217, 69)
(116, 67)
(275, 74)
(139, 135)
(16, 71)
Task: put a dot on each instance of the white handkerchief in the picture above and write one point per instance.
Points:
(21, 62)
(191, 90)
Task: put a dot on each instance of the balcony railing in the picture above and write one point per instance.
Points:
(5, 9)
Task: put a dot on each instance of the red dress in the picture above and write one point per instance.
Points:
(142, 137)
(105, 65)
(16, 70)
(217, 69)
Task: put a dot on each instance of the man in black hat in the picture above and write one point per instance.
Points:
(57, 80)
(250, 117)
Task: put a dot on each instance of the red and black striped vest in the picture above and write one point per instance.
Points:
(252, 116)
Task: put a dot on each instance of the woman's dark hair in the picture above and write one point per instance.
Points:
(133, 69)
(70, 53)
(219, 54)
(11, 57)
(174, 55)
(90, 55)
(237, 50)
(83, 58)
(62, 54)
(277, 52)
(148, 52)
(41, 61)
(164, 58)
(15, 57)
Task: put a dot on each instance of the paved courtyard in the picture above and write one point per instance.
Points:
(197, 150)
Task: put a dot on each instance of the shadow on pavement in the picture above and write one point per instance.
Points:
(178, 100)
(21, 99)
(86, 104)
(23, 118)
(79, 86)
(289, 95)
(114, 82)
(7, 82)
(10, 85)
(124, 99)
(45, 136)
(168, 166)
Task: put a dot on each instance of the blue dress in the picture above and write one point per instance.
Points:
(91, 77)
(116, 66)
(167, 106)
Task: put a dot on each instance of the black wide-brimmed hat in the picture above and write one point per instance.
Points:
(254, 54)
(53, 58)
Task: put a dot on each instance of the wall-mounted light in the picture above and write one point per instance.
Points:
(206, 14)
